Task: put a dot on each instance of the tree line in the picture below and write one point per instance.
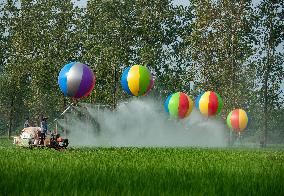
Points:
(232, 47)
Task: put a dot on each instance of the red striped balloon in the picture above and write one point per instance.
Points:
(209, 103)
(178, 105)
(238, 120)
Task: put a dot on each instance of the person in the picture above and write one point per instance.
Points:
(43, 129)
(27, 124)
(262, 142)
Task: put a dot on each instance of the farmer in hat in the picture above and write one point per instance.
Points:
(43, 129)
(27, 124)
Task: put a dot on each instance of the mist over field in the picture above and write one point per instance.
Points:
(141, 122)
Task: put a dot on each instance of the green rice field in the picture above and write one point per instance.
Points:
(140, 171)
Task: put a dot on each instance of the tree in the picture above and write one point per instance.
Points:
(119, 34)
(221, 47)
(270, 73)
(39, 41)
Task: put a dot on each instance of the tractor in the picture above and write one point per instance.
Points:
(31, 137)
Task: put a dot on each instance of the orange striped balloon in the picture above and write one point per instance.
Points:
(238, 120)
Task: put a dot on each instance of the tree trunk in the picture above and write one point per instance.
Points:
(233, 69)
(266, 80)
(114, 101)
(265, 112)
(232, 84)
(11, 116)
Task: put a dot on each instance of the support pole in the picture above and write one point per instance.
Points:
(230, 138)
(114, 87)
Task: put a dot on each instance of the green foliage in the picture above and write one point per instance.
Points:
(270, 71)
(221, 46)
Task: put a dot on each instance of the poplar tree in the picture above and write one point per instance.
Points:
(221, 47)
(270, 72)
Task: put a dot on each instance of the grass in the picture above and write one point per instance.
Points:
(141, 171)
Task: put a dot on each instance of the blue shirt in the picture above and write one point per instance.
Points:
(43, 126)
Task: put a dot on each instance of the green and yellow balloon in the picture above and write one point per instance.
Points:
(179, 105)
(137, 80)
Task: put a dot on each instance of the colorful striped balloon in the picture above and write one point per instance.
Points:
(238, 120)
(137, 80)
(178, 105)
(150, 86)
(76, 80)
(209, 103)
